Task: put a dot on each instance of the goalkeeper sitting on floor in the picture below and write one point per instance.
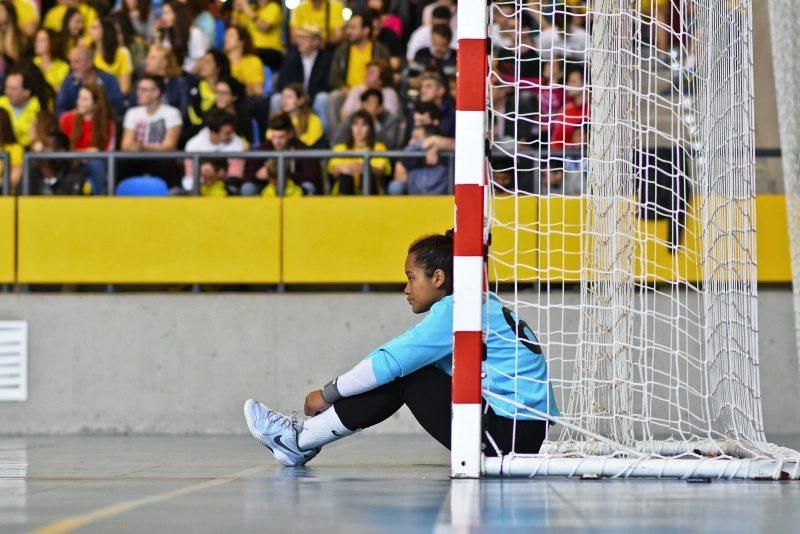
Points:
(414, 369)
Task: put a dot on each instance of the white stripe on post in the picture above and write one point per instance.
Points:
(470, 147)
(465, 457)
(472, 20)
(467, 293)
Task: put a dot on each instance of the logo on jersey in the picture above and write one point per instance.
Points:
(521, 329)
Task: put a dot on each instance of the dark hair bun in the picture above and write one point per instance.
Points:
(450, 234)
(435, 252)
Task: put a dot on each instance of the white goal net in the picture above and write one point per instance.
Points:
(622, 215)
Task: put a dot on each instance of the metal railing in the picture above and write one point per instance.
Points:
(282, 156)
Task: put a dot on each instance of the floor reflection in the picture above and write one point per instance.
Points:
(13, 481)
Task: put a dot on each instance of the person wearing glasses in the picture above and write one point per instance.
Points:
(150, 127)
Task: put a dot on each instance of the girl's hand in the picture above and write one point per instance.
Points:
(315, 403)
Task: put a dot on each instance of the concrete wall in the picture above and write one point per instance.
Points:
(185, 363)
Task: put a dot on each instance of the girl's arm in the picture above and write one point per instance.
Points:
(125, 81)
(426, 343)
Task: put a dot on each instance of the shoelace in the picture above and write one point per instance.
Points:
(283, 420)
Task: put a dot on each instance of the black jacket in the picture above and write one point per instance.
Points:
(292, 72)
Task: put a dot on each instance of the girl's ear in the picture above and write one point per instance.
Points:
(438, 278)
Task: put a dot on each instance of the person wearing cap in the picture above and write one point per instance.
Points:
(309, 64)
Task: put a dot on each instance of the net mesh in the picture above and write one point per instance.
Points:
(622, 213)
(786, 60)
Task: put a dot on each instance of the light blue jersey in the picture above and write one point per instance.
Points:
(512, 368)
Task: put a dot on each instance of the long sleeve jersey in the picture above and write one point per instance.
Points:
(514, 366)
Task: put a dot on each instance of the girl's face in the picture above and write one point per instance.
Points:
(373, 77)
(206, 67)
(41, 43)
(288, 101)
(224, 95)
(575, 84)
(3, 14)
(85, 102)
(96, 31)
(75, 24)
(232, 41)
(360, 131)
(155, 62)
(167, 16)
(423, 291)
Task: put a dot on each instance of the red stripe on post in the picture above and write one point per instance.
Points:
(467, 358)
(469, 220)
(471, 65)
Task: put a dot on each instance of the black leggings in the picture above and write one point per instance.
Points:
(426, 392)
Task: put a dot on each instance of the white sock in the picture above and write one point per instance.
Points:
(322, 429)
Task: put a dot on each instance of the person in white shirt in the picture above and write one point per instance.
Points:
(150, 127)
(421, 38)
(566, 38)
(218, 135)
(174, 30)
(427, 12)
(378, 76)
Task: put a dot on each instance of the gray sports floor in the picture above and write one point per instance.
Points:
(368, 483)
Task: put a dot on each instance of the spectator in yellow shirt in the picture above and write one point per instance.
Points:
(324, 14)
(264, 24)
(48, 58)
(307, 126)
(213, 173)
(269, 173)
(245, 65)
(21, 104)
(109, 55)
(27, 16)
(210, 68)
(349, 64)
(13, 43)
(9, 145)
(347, 171)
(55, 18)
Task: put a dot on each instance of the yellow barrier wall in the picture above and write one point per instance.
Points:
(356, 239)
(8, 237)
(132, 240)
(319, 240)
(774, 256)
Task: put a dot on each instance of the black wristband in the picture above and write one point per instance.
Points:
(330, 393)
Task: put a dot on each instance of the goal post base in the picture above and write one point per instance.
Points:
(672, 468)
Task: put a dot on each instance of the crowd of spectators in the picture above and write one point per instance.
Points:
(137, 76)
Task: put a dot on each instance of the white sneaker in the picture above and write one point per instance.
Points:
(277, 432)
